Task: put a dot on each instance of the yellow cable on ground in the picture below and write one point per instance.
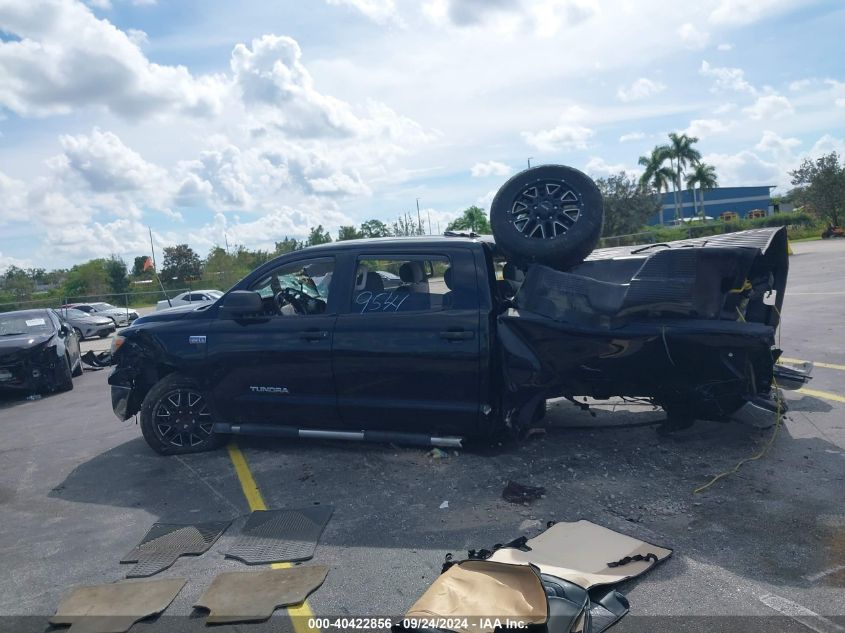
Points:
(757, 456)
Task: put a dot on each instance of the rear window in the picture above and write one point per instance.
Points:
(402, 284)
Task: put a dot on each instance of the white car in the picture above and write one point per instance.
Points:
(190, 297)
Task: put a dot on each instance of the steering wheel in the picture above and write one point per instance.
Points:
(296, 298)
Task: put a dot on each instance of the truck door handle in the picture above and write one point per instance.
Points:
(314, 335)
(457, 335)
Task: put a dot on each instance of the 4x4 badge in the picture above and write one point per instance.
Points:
(196, 340)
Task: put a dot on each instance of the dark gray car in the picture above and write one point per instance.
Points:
(88, 325)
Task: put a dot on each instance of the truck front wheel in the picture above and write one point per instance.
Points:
(176, 417)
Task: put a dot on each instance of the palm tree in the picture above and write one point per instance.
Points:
(655, 175)
(682, 153)
(705, 177)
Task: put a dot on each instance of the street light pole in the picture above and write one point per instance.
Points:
(529, 161)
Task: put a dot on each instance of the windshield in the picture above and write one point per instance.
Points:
(74, 313)
(102, 306)
(12, 324)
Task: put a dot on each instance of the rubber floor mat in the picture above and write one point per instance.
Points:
(252, 596)
(165, 542)
(115, 607)
(275, 536)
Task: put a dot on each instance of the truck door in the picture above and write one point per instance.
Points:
(275, 367)
(406, 346)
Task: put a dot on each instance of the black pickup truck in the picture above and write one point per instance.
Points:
(433, 339)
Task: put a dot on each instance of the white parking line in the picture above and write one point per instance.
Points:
(800, 614)
(825, 573)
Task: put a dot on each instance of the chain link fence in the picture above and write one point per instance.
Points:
(126, 300)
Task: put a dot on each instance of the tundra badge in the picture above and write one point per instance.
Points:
(256, 389)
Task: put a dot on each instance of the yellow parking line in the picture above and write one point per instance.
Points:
(826, 395)
(299, 614)
(825, 365)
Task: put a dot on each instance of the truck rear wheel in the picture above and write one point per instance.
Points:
(550, 214)
(176, 417)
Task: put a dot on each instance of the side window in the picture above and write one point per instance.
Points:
(297, 288)
(402, 284)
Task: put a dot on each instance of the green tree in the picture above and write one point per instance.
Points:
(705, 177)
(374, 228)
(627, 205)
(820, 185)
(18, 283)
(656, 175)
(117, 274)
(348, 233)
(181, 263)
(287, 245)
(472, 219)
(682, 153)
(90, 278)
(318, 235)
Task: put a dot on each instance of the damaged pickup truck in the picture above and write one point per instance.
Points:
(431, 340)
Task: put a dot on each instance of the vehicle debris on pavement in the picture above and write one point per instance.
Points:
(562, 580)
(516, 492)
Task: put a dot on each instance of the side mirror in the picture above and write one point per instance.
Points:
(240, 303)
(64, 330)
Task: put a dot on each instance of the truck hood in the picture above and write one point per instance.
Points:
(172, 314)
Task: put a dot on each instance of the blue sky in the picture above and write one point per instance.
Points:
(257, 120)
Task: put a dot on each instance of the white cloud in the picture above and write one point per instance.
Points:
(726, 78)
(598, 167)
(379, 11)
(691, 37)
(799, 84)
(773, 142)
(641, 88)
(725, 46)
(704, 128)
(724, 108)
(106, 165)
(490, 168)
(744, 168)
(631, 136)
(73, 59)
(560, 137)
(770, 106)
(742, 12)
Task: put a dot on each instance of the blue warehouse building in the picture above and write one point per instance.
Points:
(740, 200)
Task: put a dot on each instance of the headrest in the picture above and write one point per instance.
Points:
(447, 278)
(361, 277)
(512, 273)
(411, 272)
(373, 282)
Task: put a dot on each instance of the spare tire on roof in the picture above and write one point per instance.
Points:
(551, 214)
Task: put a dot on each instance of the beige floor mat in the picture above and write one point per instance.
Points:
(251, 596)
(114, 608)
(580, 552)
(481, 590)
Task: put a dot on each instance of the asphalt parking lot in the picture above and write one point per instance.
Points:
(78, 489)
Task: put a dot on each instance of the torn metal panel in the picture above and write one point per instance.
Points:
(688, 324)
